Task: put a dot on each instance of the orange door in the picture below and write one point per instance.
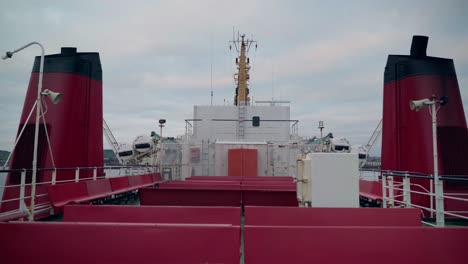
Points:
(242, 162)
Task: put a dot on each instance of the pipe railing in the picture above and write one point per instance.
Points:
(129, 170)
(403, 191)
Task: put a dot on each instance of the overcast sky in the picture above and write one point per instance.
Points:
(326, 57)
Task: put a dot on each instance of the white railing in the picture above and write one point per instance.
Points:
(397, 189)
(23, 210)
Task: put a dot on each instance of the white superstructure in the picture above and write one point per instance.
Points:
(217, 129)
(237, 123)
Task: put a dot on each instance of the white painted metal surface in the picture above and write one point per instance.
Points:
(333, 179)
(222, 123)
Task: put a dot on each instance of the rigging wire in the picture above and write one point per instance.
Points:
(47, 137)
(20, 134)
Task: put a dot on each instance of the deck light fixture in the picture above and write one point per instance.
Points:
(55, 98)
(321, 126)
(417, 105)
(161, 125)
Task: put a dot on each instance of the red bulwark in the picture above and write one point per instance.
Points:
(370, 189)
(242, 162)
(364, 245)
(314, 216)
(190, 197)
(71, 243)
(280, 197)
(152, 214)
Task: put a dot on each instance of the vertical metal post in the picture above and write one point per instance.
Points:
(406, 191)
(384, 191)
(300, 182)
(431, 191)
(54, 176)
(77, 174)
(391, 192)
(22, 190)
(36, 133)
(439, 188)
(94, 173)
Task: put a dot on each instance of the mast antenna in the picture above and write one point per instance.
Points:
(241, 79)
(211, 68)
(211, 83)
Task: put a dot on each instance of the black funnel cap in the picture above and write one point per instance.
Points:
(68, 51)
(419, 46)
(87, 64)
(417, 63)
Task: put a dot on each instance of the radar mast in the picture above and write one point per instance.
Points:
(241, 78)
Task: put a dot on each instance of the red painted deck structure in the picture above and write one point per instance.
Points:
(212, 233)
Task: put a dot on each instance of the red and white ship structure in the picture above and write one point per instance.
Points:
(241, 186)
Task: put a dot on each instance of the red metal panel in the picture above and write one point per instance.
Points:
(235, 162)
(61, 194)
(242, 162)
(268, 183)
(153, 196)
(269, 178)
(135, 181)
(152, 214)
(370, 189)
(147, 179)
(240, 178)
(254, 187)
(119, 183)
(364, 245)
(250, 162)
(118, 243)
(215, 178)
(202, 187)
(314, 216)
(269, 198)
(98, 187)
(198, 183)
(156, 177)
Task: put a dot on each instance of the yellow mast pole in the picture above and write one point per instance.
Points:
(242, 98)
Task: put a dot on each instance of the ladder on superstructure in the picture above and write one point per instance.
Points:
(111, 139)
(372, 140)
(205, 157)
(241, 121)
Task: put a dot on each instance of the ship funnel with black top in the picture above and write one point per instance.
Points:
(419, 46)
(74, 126)
(407, 135)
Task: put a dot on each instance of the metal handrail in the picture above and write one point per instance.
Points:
(131, 170)
(82, 168)
(412, 174)
(390, 198)
(456, 215)
(430, 224)
(455, 198)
